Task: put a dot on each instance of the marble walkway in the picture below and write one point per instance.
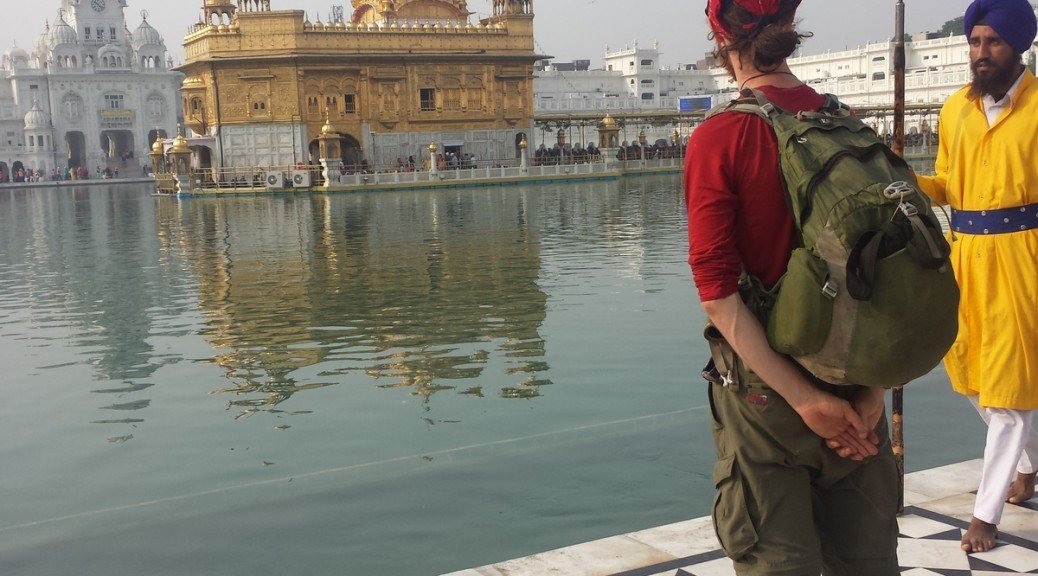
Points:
(938, 506)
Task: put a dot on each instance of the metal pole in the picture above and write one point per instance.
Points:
(897, 396)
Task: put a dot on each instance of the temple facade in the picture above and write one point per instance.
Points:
(90, 96)
(391, 77)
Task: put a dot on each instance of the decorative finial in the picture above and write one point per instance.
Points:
(144, 15)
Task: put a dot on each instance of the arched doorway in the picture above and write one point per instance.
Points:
(351, 154)
(117, 146)
(203, 158)
(75, 149)
(5, 173)
(18, 171)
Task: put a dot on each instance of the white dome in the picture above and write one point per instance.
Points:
(43, 44)
(145, 35)
(17, 53)
(63, 34)
(36, 118)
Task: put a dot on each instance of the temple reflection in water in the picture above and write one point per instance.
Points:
(413, 290)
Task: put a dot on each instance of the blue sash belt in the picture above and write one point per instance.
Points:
(1000, 221)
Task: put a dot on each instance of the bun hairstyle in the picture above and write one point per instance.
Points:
(760, 32)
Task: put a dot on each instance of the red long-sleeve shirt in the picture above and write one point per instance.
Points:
(737, 213)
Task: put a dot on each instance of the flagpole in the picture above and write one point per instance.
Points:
(897, 396)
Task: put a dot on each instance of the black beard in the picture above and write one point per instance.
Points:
(996, 82)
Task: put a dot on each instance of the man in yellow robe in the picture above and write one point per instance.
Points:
(986, 171)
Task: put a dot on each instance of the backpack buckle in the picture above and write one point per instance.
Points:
(908, 209)
(768, 108)
(897, 190)
(830, 289)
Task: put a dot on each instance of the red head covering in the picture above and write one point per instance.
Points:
(760, 8)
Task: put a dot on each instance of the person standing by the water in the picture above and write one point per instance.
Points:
(786, 503)
(986, 172)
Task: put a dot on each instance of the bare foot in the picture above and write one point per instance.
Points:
(980, 537)
(1022, 488)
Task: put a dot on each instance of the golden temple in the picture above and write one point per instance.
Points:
(390, 77)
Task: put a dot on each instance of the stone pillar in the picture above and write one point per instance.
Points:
(642, 140)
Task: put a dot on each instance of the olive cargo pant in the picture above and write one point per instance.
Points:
(787, 505)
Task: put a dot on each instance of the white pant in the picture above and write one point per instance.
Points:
(1012, 445)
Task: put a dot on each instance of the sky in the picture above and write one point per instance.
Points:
(565, 29)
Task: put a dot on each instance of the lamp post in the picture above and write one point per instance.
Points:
(522, 156)
(433, 168)
(331, 156)
(897, 399)
(156, 156)
(182, 164)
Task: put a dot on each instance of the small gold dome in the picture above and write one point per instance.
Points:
(608, 122)
(157, 147)
(180, 145)
(433, 148)
(327, 128)
(522, 143)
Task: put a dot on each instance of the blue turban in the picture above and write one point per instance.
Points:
(1013, 20)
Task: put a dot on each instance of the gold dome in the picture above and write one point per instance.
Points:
(327, 128)
(608, 122)
(522, 143)
(157, 147)
(433, 148)
(180, 145)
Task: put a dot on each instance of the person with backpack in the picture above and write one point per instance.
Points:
(786, 502)
(985, 170)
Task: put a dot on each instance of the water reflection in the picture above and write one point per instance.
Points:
(423, 291)
(77, 269)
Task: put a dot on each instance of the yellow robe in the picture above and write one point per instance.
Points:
(980, 168)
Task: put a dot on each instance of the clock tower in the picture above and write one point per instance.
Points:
(97, 22)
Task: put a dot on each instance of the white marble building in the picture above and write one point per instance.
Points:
(90, 94)
(633, 80)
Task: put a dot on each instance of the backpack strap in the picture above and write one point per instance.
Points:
(750, 101)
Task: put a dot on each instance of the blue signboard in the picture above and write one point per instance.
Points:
(693, 103)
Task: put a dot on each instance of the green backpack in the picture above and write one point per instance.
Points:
(868, 297)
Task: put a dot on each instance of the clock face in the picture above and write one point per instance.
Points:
(98, 5)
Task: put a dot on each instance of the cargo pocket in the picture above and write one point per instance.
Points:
(732, 523)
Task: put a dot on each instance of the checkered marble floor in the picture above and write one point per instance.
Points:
(939, 504)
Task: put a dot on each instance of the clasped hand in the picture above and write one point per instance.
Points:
(848, 428)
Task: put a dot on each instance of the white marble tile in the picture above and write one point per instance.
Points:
(919, 527)
(681, 539)
(920, 572)
(1012, 557)
(937, 554)
(599, 558)
(959, 506)
(1019, 521)
(915, 499)
(473, 572)
(945, 481)
(986, 573)
(719, 567)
